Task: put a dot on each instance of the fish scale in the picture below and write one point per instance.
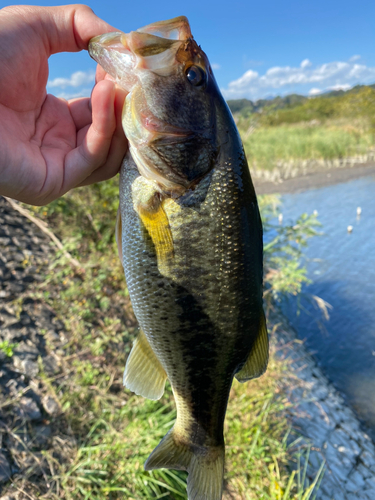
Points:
(190, 237)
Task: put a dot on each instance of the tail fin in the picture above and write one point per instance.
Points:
(204, 465)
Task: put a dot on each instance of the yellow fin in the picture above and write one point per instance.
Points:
(144, 374)
(257, 360)
(119, 234)
(157, 225)
(148, 203)
(204, 465)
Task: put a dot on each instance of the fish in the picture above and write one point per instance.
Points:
(189, 234)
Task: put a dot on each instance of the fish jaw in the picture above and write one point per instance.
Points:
(114, 56)
(121, 54)
(172, 140)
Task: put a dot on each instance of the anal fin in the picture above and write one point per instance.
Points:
(257, 360)
(144, 373)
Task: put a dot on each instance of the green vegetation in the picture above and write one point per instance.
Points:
(267, 146)
(7, 348)
(116, 430)
(283, 252)
(295, 129)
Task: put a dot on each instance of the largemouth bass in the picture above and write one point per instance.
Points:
(190, 239)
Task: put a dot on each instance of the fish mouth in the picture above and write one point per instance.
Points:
(153, 47)
(165, 49)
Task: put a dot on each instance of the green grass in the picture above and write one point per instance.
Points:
(267, 146)
(121, 434)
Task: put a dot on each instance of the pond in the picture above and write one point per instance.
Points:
(341, 265)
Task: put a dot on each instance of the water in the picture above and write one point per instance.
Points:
(342, 267)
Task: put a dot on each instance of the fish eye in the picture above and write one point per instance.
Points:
(196, 76)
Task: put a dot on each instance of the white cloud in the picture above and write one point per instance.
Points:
(354, 58)
(215, 66)
(302, 79)
(85, 92)
(306, 63)
(344, 86)
(315, 91)
(76, 80)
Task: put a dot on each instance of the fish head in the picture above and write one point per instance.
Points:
(169, 114)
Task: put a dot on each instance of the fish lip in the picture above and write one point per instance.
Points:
(167, 27)
(105, 41)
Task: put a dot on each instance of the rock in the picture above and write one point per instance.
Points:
(28, 409)
(25, 366)
(27, 350)
(368, 460)
(50, 405)
(52, 336)
(18, 257)
(14, 387)
(42, 435)
(370, 484)
(51, 364)
(356, 482)
(5, 471)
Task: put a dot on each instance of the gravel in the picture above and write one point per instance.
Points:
(319, 415)
(30, 415)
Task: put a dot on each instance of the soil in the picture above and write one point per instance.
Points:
(33, 433)
(317, 179)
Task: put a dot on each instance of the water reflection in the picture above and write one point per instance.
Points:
(342, 267)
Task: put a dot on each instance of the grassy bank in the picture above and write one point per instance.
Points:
(319, 130)
(267, 147)
(114, 430)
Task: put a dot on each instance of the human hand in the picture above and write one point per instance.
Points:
(49, 145)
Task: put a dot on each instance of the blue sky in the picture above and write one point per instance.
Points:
(259, 48)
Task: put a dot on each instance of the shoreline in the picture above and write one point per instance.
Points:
(320, 177)
(319, 415)
(324, 423)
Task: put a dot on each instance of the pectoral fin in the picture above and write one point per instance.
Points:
(257, 360)
(157, 225)
(144, 374)
(148, 203)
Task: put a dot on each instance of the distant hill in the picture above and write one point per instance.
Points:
(245, 107)
(358, 101)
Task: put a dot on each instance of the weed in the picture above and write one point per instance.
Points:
(7, 348)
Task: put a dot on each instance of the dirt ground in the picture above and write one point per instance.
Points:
(319, 178)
